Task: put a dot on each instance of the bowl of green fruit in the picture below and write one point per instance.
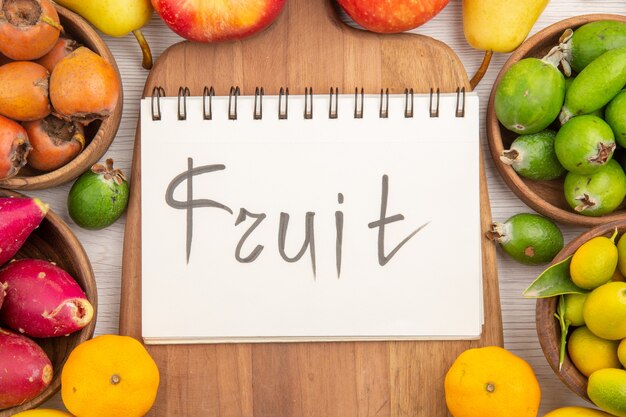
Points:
(581, 315)
(555, 120)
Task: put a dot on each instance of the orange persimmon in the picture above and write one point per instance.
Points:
(24, 91)
(28, 28)
(14, 147)
(84, 87)
(55, 142)
(61, 49)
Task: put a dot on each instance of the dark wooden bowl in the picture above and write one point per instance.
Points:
(548, 329)
(98, 135)
(545, 197)
(54, 241)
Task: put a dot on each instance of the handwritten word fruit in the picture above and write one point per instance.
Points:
(528, 238)
(109, 376)
(14, 147)
(594, 262)
(28, 28)
(26, 370)
(584, 144)
(42, 412)
(598, 193)
(24, 91)
(84, 87)
(614, 116)
(55, 142)
(98, 197)
(605, 311)
(596, 85)
(499, 25)
(574, 308)
(592, 40)
(116, 18)
(606, 389)
(219, 20)
(533, 156)
(576, 412)
(18, 218)
(491, 382)
(61, 49)
(529, 96)
(397, 15)
(42, 299)
(589, 352)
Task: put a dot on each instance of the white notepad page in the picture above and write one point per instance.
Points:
(227, 205)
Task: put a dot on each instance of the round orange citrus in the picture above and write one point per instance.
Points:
(109, 376)
(491, 382)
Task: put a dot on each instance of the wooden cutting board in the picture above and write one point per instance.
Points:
(307, 47)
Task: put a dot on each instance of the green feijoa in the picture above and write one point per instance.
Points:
(528, 238)
(98, 197)
(596, 85)
(599, 112)
(529, 96)
(615, 116)
(596, 194)
(584, 144)
(593, 39)
(532, 156)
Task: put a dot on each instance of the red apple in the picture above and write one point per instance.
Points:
(392, 16)
(217, 20)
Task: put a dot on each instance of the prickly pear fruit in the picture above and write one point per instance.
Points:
(26, 369)
(18, 218)
(42, 299)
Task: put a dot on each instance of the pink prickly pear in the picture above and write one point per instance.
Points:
(42, 300)
(18, 218)
(26, 369)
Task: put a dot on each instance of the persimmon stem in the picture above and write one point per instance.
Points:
(482, 70)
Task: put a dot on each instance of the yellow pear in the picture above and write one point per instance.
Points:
(116, 18)
(499, 25)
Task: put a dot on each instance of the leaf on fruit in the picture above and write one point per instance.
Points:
(553, 281)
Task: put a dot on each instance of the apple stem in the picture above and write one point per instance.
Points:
(482, 70)
(145, 49)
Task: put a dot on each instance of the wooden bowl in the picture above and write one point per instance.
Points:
(98, 135)
(548, 329)
(54, 241)
(545, 197)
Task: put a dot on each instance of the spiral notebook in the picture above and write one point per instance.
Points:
(325, 217)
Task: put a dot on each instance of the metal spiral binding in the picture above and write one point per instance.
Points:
(358, 104)
(408, 108)
(157, 93)
(283, 103)
(232, 102)
(183, 93)
(434, 111)
(308, 103)
(207, 96)
(460, 102)
(283, 97)
(333, 107)
(384, 104)
(258, 103)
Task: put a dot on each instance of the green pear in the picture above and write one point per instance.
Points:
(116, 18)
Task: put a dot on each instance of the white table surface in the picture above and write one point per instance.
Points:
(105, 247)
